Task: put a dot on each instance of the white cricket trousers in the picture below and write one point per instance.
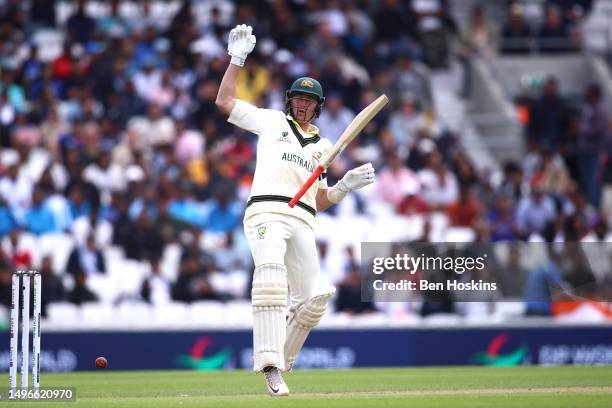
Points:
(284, 239)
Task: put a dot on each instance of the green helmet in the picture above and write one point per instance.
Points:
(309, 86)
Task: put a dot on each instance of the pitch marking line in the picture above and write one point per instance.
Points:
(433, 393)
(479, 391)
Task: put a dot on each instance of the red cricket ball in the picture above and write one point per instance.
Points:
(101, 362)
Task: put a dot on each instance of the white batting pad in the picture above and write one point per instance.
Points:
(269, 299)
(300, 323)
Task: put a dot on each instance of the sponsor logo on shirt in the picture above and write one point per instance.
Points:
(300, 161)
(261, 231)
(284, 138)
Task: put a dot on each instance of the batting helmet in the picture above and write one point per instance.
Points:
(308, 86)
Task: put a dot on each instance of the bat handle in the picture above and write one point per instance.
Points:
(313, 177)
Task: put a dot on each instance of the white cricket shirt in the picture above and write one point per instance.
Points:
(286, 157)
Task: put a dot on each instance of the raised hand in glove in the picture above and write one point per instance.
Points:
(240, 44)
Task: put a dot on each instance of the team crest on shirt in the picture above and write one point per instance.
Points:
(317, 156)
(284, 137)
(261, 231)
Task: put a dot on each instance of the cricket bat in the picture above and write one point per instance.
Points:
(356, 126)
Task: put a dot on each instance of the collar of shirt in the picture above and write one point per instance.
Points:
(313, 131)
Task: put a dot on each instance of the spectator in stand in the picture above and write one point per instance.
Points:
(11, 84)
(155, 288)
(223, 212)
(7, 220)
(42, 12)
(234, 157)
(142, 240)
(87, 258)
(105, 175)
(394, 175)
(593, 140)
(95, 223)
(391, 21)
(51, 129)
(80, 26)
(52, 287)
(512, 184)
(579, 205)
(33, 73)
(80, 293)
(555, 177)
(147, 201)
(184, 207)
(193, 283)
(549, 117)
(39, 219)
(430, 125)
(466, 173)
(7, 118)
(438, 185)
(17, 250)
(404, 124)
(554, 36)
(424, 145)
(113, 25)
(166, 226)
(77, 202)
(82, 194)
(466, 211)
(516, 36)
(501, 220)
(433, 27)
(335, 118)
(148, 79)
(411, 78)
(16, 189)
(152, 130)
(535, 211)
(511, 275)
(6, 274)
(412, 203)
(348, 298)
(478, 39)
(253, 81)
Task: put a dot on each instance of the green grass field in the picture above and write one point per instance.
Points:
(446, 387)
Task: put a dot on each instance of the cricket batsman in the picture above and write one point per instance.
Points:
(281, 239)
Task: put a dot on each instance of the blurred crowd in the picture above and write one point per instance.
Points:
(525, 26)
(111, 134)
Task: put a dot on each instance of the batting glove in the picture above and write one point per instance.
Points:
(240, 44)
(354, 179)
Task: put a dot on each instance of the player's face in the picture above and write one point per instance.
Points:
(303, 107)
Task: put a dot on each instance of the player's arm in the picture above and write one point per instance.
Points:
(239, 45)
(353, 180)
(323, 202)
(226, 98)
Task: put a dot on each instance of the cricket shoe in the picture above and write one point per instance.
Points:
(274, 381)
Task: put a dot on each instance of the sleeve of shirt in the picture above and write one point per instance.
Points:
(323, 180)
(247, 117)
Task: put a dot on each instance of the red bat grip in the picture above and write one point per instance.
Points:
(313, 177)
